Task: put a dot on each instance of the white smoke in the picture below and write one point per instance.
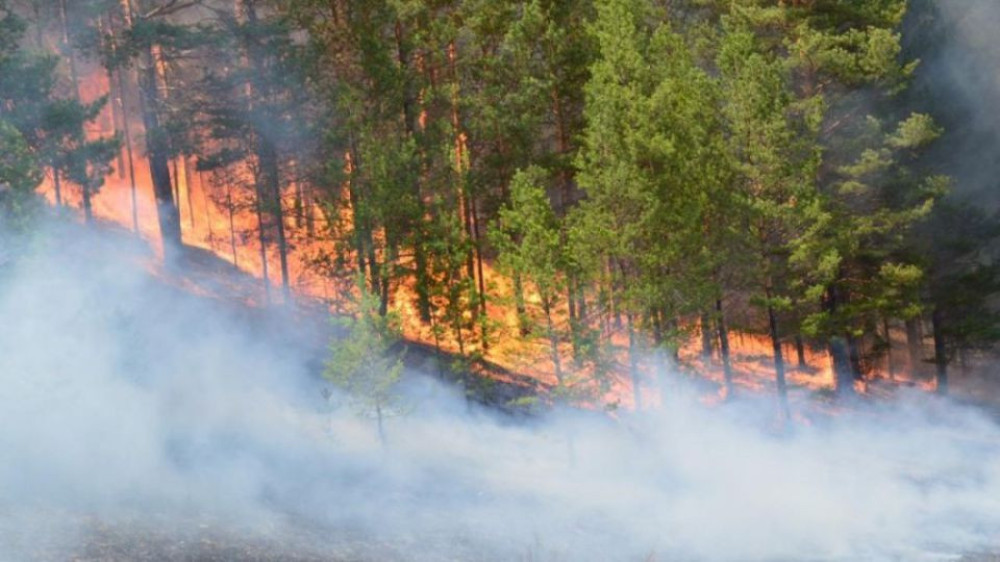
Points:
(128, 402)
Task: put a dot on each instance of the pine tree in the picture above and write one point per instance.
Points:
(49, 128)
(365, 363)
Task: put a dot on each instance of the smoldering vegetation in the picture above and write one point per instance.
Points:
(140, 422)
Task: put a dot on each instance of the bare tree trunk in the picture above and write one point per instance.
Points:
(633, 365)
(265, 150)
(187, 189)
(843, 377)
(779, 360)
(553, 341)
(800, 351)
(914, 345)
(232, 226)
(127, 131)
(940, 351)
(890, 367)
(114, 97)
(706, 338)
(410, 123)
(57, 186)
(158, 155)
(727, 368)
(262, 237)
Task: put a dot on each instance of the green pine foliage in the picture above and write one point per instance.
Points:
(636, 169)
(366, 364)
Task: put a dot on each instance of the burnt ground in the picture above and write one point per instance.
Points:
(151, 538)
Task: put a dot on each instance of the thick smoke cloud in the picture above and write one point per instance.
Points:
(130, 403)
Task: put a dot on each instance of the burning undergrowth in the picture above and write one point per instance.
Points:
(138, 419)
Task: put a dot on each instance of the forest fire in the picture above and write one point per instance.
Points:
(423, 281)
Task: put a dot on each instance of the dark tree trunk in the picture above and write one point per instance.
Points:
(633, 365)
(57, 186)
(915, 345)
(88, 211)
(889, 366)
(843, 377)
(268, 160)
(410, 122)
(232, 227)
(127, 132)
(854, 351)
(706, 337)
(727, 368)
(779, 360)
(553, 341)
(158, 154)
(800, 351)
(266, 153)
(940, 351)
(114, 93)
(262, 237)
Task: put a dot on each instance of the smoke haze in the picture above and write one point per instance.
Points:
(128, 402)
(958, 81)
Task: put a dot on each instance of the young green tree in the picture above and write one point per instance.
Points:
(529, 240)
(365, 362)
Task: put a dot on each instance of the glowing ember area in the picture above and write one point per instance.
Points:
(218, 215)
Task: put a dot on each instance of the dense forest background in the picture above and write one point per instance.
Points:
(593, 192)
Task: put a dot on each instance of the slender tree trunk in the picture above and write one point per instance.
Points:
(158, 155)
(481, 278)
(843, 377)
(114, 97)
(88, 212)
(779, 360)
(57, 186)
(889, 366)
(914, 345)
(70, 52)
(266, 152)
(232, 226)
(854, 351)
(633, 365)
(706, 338)
(410, 123)
(205, 205)
(268, 159)
(521, 309)
(800, 351)
(940, 351)
(727, 368)
(187, 189)
(127, 132)
(553, 341)
(176, 184)
(262, 237)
